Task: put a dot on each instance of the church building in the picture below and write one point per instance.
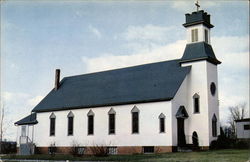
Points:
(149, 108)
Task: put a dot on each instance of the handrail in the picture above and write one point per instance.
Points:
(27, 141)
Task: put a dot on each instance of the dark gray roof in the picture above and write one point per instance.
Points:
(181, 113)
(198, 17)
(28, 120)
(145, 83)
(243, 120)
(199, 51)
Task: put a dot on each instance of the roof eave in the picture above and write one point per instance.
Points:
(102, 105)
(211, 60)
(198, 22)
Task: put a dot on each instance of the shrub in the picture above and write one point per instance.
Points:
(242, 145)
(99, 150)
(213, 145)
(52, 149)
(76, 150)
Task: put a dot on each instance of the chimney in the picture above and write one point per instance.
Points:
(57, 79)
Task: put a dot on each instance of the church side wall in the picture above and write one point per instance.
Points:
(212, 99)
(148, 127)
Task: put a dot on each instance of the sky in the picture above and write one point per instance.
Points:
(80, 37)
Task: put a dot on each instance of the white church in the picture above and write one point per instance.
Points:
(150, 108)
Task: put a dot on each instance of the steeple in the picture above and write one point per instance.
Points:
(198, 37)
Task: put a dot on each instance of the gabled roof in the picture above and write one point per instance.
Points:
(28, 120)
(199, 51)
(181, 113)
(144, 83)
(243, 120)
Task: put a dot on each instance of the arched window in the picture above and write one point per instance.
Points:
(90, 122)
(196, 103)
(111, 114)
(195, 139)
(135, 119)
(162, 123)
(70, 123)
(214, 126)
(52, 129)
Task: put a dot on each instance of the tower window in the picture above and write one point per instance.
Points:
(206, 35)
(214, 126)
(135, 120)
(70, 123)
(196, 99)
(162, 123)
(52, 124)
(194, 35)
(90, 122)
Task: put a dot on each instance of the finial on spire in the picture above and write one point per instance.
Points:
(197, 5)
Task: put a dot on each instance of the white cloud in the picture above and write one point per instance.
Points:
(109, 61)
(148, 32)
(95, 31)
(35, 100)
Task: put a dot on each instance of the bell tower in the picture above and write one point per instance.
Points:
(202, 81)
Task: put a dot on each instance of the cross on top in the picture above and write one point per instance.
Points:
(197, 5)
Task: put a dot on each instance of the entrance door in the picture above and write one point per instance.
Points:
(23, 131)
(181, 132)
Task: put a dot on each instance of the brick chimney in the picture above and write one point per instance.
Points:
(57, 79)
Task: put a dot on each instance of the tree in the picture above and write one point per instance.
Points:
(236, 113)
(1, 125)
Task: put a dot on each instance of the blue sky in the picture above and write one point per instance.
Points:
(81, 37)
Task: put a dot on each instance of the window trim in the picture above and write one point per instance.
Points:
(111, 112)
(90, 114)
(162, 116)
(70, 115)
(52, 116)
(196, 96)
(214, 126)
(135, 110)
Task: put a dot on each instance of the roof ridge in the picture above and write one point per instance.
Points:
(91, 73)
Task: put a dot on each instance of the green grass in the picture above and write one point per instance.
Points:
(230, 155)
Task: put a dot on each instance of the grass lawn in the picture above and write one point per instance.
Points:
(230, 155)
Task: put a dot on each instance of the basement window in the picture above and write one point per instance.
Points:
(148, 149)
(112, 150)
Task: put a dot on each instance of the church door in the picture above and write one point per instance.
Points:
(181, 132)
